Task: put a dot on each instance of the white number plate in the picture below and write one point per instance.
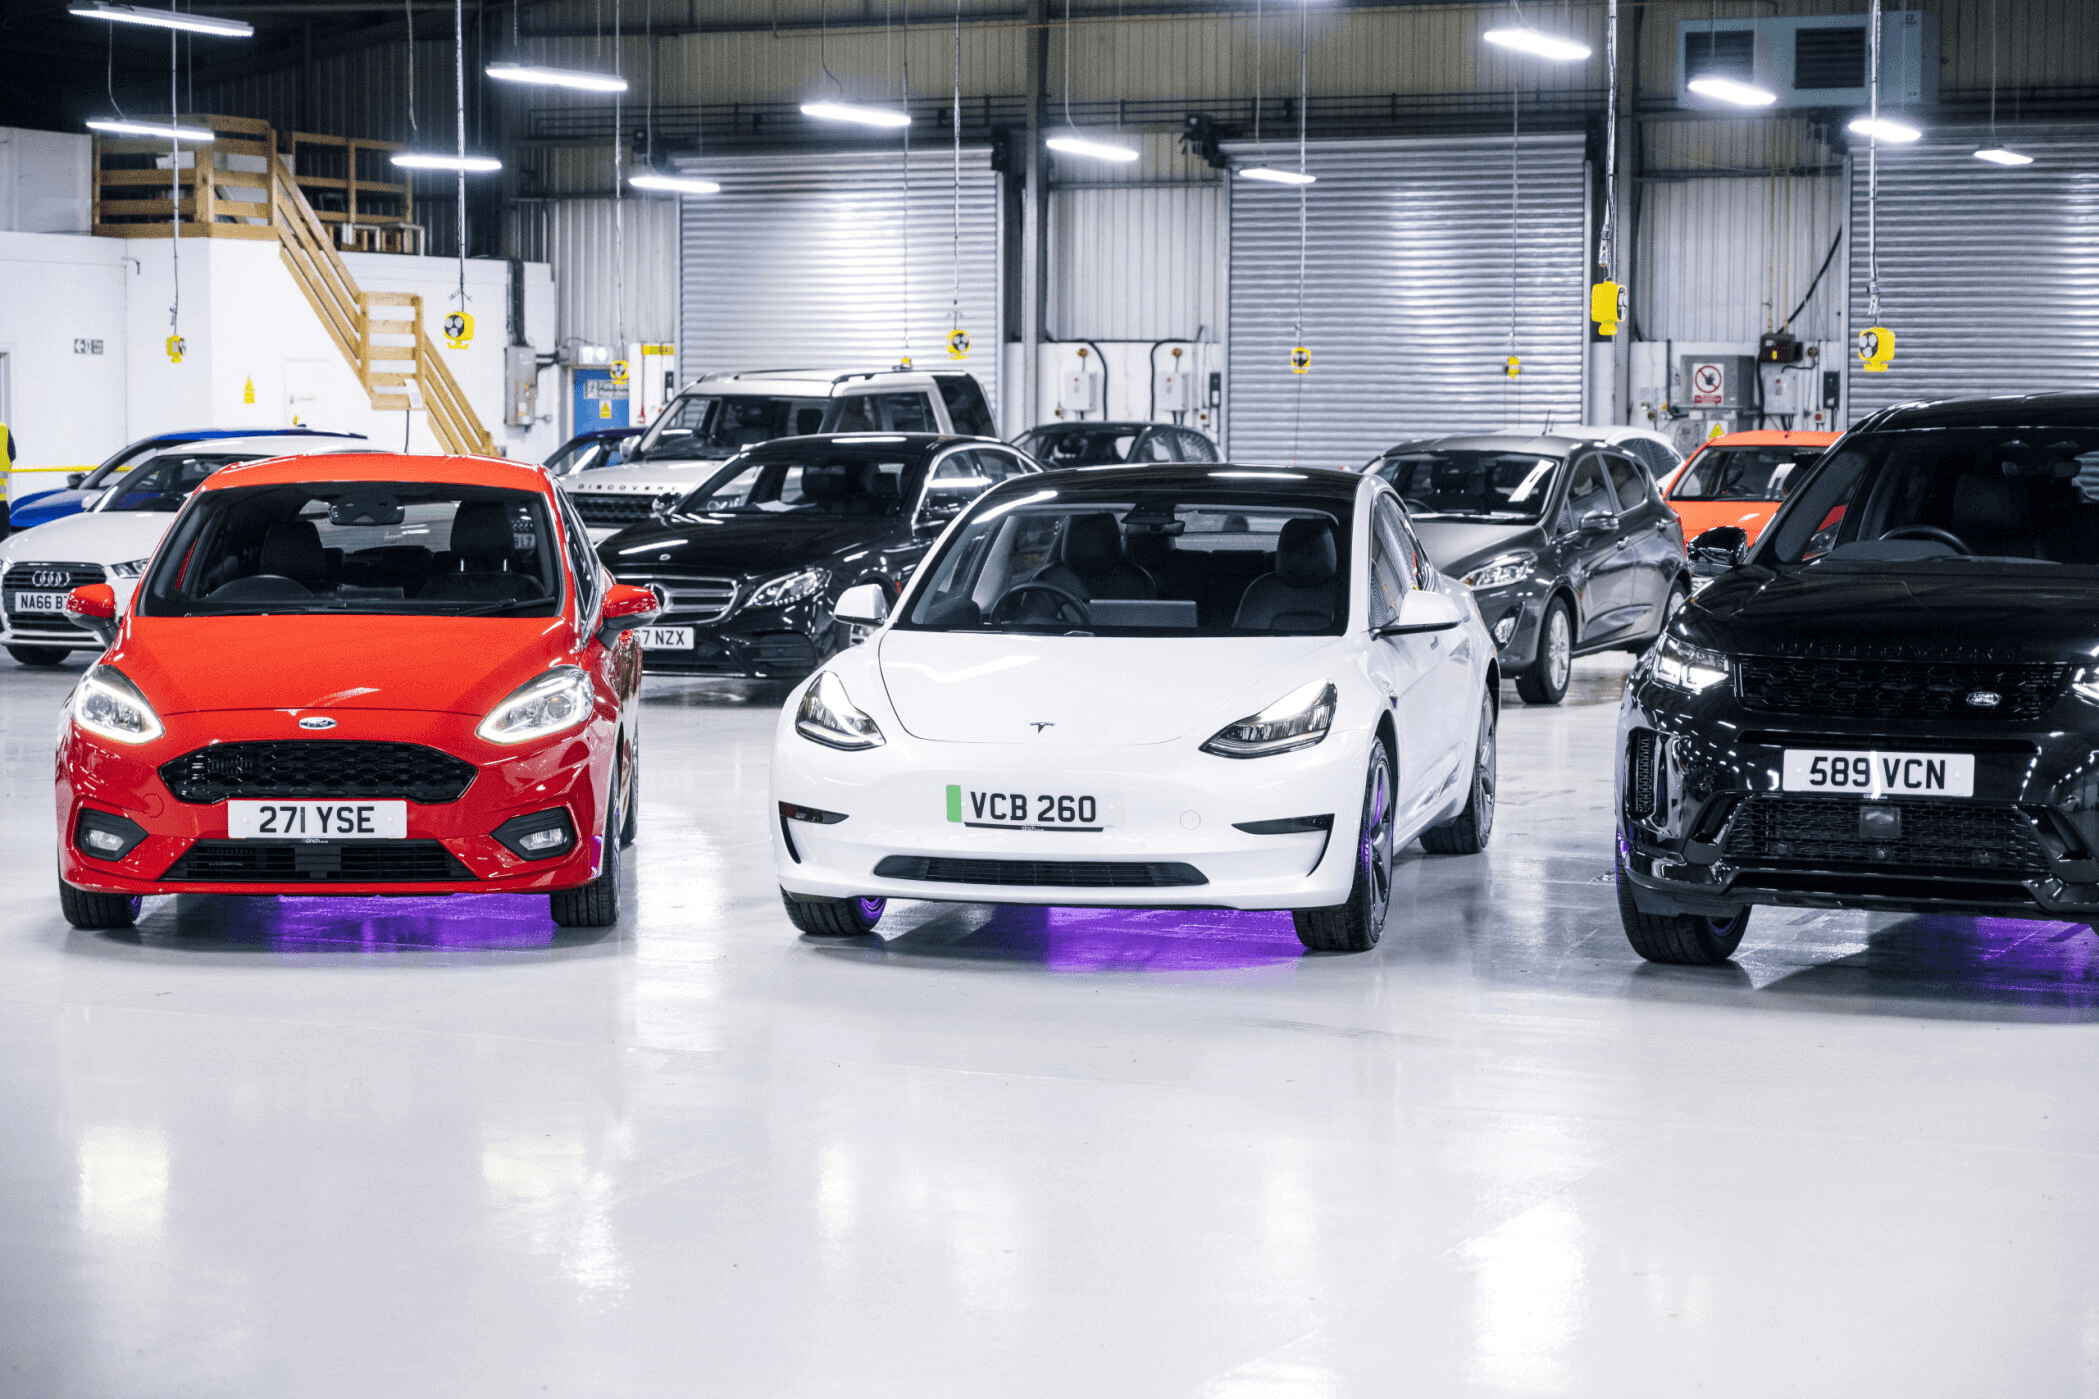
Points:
(665, 638)
(1880, 774)
(38, 602)
(1029, 811)
(253, 820)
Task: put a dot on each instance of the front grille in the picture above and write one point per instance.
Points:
(317, 862)
(318, 769)
(47, 578)
(687, 599)
(1877, 689)
(606, 510)
(1640, 762)
(1949, 836)
(1042, 874)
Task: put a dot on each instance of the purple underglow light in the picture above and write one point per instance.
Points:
(1204, 939)
(495, 922)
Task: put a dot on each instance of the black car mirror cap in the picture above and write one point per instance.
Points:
(74, 478)
(1423, 611)
(1726, 546)
(1596, 522)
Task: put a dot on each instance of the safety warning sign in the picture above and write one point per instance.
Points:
(1708, 384)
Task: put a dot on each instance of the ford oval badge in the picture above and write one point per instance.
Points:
(317, 721)
(1983, 699)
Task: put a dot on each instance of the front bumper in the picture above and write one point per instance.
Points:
(571, 771)
(1520, 608)
(1704, 827)
(752, 643)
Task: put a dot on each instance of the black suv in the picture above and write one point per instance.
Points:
(1892, 702)
(747, 567)
(1566, 544)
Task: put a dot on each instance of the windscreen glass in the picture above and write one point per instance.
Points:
(588, 455)
(405, 547)
(818, 482)
(705, 426)
(163, 483)
(1079, 446)
(1200, 564)
(1496, 485)
(1742, 473)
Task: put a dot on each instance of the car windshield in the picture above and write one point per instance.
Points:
(1742, 473)
(1949, 496)
(708, 426)
(586, 454)
(1101, 446)
(166, 481)
(1199, 564)
(818, 482)
(415, 548)
(1500, 485)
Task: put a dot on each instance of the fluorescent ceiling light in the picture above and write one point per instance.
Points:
(1097, 150)
(1728, 90)
(1882, 129)
(166, 19)
(675, 184)
(1276, 175)
(576, 78)
(1530, 41)
(473, 164)
(149, 128)
(1998, 155)
(856, 112)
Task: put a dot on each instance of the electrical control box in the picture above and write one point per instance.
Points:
(520, 385)
(1709, 384)
(1081, 392)
(1173, 391)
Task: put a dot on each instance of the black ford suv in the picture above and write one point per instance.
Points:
(1892, 701)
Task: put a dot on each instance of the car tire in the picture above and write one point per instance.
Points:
(631, 826)
(1546, 680)
(833, 918)
(84, 908)
(596, 904)
(1355, 925)
(1679, 939)
(39, 655)
(1474, 826)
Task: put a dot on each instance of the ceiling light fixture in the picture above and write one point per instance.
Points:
(1728, 90)
(470, 164)
(675, 184)
(1530, 41)
(116, 127)
(858, 113)
(165, 19)
(1998, 155)
(1097, 150)
(1994, 153)
(1883, 129)
(1276, 175)
(577, 78)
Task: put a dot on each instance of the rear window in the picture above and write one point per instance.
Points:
(1742, 473)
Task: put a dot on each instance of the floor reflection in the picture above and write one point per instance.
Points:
(294, 924)
(1943, 964)
(672, 692)
(1096, 939)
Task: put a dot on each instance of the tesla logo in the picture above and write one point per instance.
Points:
(49, 578)
(1983, 699)
(1041, 724)
(317, 721)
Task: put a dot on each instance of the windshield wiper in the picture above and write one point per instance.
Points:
(490, 609)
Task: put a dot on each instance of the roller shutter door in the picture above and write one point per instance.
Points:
(799, 262)
(1408, 286)
(1989, 276)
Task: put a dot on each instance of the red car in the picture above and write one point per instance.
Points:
(357, 674)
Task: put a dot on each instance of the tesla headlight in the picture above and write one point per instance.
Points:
(1297, 720)
(829, 717)
(1682, 666)
(792, 587)
(128, 570)
(560, 699)
(107, 704)
(1499, 573)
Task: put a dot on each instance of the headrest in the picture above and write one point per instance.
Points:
(1304, 553)
(1991, 504)
(808, 421)
(885, 488)
(481, 531)
(1092, 543)
(823, 482)
(1149, 550)
(292, 549)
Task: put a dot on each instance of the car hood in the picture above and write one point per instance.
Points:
(645, 478)
(1090, 691)
(191, 664)
(1455, 546)
(1838, 608)
(738, 543)
(115, 536)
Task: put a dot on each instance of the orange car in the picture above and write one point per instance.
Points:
(1739, 479)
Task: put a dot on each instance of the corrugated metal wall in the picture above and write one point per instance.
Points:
(1989, 276)
(602, 296)
(1412, 267)
(1142, 263)
(1728, 259)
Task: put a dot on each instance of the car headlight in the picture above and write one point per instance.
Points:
(2087, 684)
(1682, 666)
(128, 570)
(1297, 720)
(107, 704)
(560, 699)
(829, 717)
(1499, 573)
(792, 587)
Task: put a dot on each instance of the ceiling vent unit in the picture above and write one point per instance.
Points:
(1819, 61)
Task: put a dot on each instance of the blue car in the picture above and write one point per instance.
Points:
(42, 507)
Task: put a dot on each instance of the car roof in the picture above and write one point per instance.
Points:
(1492, 442)
(803, 379)
(381, 466)
(245, 442)
(1317, 482)
(896, 442)
(203, 434)
(1098, 425)
(2069, 408)
(1771, 437)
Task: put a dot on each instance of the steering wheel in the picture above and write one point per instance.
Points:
(1417, 507)
(1944, 536)
(1070, 601)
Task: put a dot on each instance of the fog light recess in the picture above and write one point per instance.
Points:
(540, 836)
(1504, 629)
(104, 836)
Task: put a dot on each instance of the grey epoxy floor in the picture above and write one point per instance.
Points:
(432, 1148)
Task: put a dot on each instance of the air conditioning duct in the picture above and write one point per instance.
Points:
(1812, 61)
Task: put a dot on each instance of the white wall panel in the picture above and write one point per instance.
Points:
(1143, 263)
(615, 268)
(1729, 259)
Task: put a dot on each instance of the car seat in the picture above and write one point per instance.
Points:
(292, 564)
(1994, 515)
(482, 545)
(1091, 565)
(1300, 594)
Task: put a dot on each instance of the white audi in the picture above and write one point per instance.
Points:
(1150, 687)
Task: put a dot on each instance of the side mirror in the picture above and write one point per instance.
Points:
(74, 478)
(1423, 611)
(1720, 548)
(626, 607)
(1596, 524)
(934, 515)
(94, 606)
(663, 504)
(865, 604)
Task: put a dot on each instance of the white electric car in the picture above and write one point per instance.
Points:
(112, 540)
(1146, 687)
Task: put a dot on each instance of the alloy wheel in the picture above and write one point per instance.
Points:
(1559, 649)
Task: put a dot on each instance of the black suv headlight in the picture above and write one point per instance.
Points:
(1682, 666)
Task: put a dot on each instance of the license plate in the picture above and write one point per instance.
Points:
(1875, 774)
(298, 820)
(665, 638)
(1029, 811)
(38, 602)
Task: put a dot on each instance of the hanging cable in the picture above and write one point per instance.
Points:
(823, 44)
(906, 104)
(1607, 235)
(619, 195)
(955, 255)
(1297, 332)
(175, 209)
(408, 9)
(1514, 378)
(1873, 179)
(459, 119)
(1258, 53)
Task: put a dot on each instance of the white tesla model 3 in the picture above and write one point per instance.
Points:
(1146, 687)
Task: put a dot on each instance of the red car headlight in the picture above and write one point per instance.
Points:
(559, 700)
(108, 705)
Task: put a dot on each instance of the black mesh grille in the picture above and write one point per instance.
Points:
(1042, 874)
(1829, 57)
(36, 577)
(318, 769)
(1874, 689)
(1949, 836)
(1639, 799)
(318, 862)
(603, 510)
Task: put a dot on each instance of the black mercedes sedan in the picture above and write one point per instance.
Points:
(1892, 701)
(747, 566)
(1566, 544)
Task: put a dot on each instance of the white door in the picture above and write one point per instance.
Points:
(1406, 667)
